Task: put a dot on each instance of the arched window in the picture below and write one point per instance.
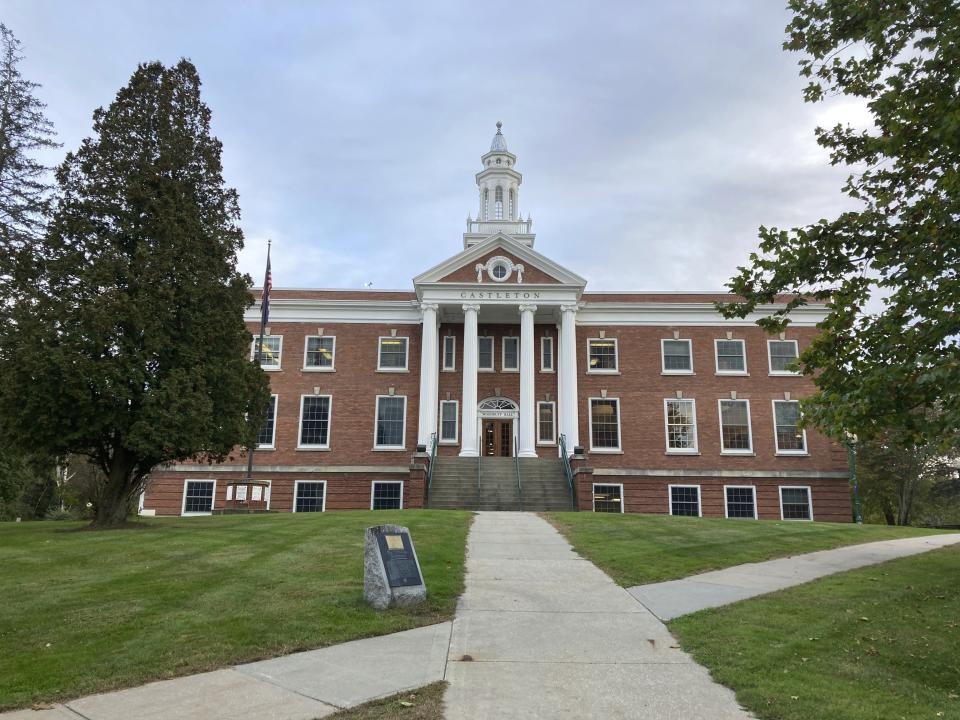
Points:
(486, 204)
(510, 210)
(498, 203)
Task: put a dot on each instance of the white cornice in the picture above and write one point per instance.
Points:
(700, 313)
(340, 311)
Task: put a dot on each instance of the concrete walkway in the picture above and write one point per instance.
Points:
(668, 600)
(542, 633)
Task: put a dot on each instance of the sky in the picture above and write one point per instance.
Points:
(654, 138)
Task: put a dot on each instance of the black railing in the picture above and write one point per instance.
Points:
(567, 470)
(479, 458)
(516, 463)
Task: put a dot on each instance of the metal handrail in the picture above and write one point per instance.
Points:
(433, 457)
(479, 458)
(567, 470)
(516, 463)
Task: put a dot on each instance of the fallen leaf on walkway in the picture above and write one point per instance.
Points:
(466, 658)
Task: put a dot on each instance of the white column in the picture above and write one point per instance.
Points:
(469, 438)
(526, 437)
(569, 417)
(429, 378)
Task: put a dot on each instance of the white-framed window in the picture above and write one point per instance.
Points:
(449, 353)
(391, 422)
(392, 354)
(789, 437)
(676, 357)
(736, 434)
(498, 203)
(546, 354)
(449, 422)
(319, 352)
(386, 495)
(485, 353)
(680, 417)
(198, 497)
(270, 351)
(546, 422)
(607, 497)
(782, 354)
(309, 496)
(315, 414)
(605, 424)
(740, 501)
(796, 502)
(602, 355)
(731, 357)
(685, 500)
(510, 362)
(268, 433)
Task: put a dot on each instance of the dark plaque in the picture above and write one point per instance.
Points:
(397, 554)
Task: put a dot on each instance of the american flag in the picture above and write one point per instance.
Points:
(267, 287)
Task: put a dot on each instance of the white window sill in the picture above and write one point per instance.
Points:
(682, 452)
(392, 370)
(448, 370)
(510, 370)
(312, 448)
(786, 374)
(484, 369)
(677, 372)
(546, 444)
(607, 451)
(727, 517)
(783, 519)
(448, 443)
(272, 368)
(741, 453)
(603, 372)
(318, 369)
(733, 373)
(389, 449)
(196, 514)
(787, 453)
(266, 448)
(547, 372)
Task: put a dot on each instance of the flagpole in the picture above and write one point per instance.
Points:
(258, 353)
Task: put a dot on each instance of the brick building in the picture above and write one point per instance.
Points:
(498, 358)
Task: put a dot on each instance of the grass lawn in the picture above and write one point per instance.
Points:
(638, 549)
(423, 704)
(878, 643)
(85, 612)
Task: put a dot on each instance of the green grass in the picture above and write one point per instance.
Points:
(880, 643)
(637, 549)
(84, 612)
(423, 704)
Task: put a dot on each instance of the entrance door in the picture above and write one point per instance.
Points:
(498, 438)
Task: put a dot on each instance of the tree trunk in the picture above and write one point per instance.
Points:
(113, 504)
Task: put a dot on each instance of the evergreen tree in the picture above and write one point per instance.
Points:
(130, 346)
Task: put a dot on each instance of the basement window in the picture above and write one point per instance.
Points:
(608, 498)
(386, 496)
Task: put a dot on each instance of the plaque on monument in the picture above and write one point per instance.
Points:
(391, 570)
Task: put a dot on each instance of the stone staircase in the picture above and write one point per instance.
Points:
(544, 486)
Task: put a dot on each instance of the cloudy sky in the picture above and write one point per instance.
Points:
(654, 138)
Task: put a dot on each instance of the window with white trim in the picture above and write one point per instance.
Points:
(498, 203)
(391, 421)
(268, 432)
(546, 422)
(782, 353)
(681, 420)
(315, 421)
(677, 356)
(604, 424)
(449, 419)
(511, 354)
(309, 496)
(318, 352)
(731, 357)
(608, 498)
(392, 354)
(602, 355)
(270, 351)
(485, 353)
(449, 352)
(740, 501)
(735, 432)
(386, 496)
(795, 503)
(546, 354)
(789, 436)
(198, 497)
(685, 500)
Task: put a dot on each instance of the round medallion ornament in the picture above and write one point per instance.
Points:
(499, 269)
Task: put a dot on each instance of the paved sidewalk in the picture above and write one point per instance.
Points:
(668, 600)
(542, 633)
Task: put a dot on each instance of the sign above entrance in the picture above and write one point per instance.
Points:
(499, 295)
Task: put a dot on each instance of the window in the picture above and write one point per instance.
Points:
(546, 354)
(486, 204)
(499, 269)
(608, 498)
(318, 352)
(309, 496)
(681, 419)
(485, 353)
(315, 421)
(685, 500)
(498, 203)
(391, 419)
(270, 351)
(789, 436)
(449, 352)
(677, 356)
(795, 503)
(731, 357)
(782, 354)
(198, 497)
(511, 354)
(546, 423)
(602, 354)
(740, 501)
(393, 354)
(386, 496)
(268, 432)
(604, 424)
(735, 434)
(511, 213)
(449, 414)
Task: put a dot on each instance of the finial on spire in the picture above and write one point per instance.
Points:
(499, 125)
(499, 143)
